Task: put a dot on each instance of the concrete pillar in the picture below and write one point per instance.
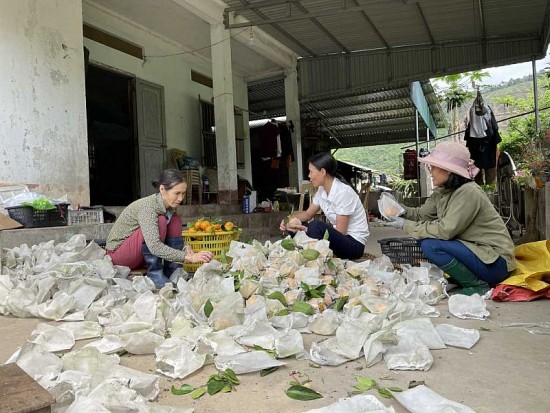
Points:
(222, 76)
(292, 106)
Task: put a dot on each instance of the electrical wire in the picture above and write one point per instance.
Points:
(464, 130)
(196, 50)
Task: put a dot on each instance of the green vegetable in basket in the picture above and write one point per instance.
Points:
(41, 204)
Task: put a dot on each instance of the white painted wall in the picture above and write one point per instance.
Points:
(43, 141)
(174, 73)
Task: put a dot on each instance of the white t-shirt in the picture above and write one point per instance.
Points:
(343, 200)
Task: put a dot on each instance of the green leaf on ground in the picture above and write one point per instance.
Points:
(384, 392)
(277, 295)
(184, 389)
(198, 393)
(270, 370)
(298, 392)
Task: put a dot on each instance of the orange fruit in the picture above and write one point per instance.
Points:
(205, 224)
(191, 230)
(198, 224)
(217, 227)
(229, 226)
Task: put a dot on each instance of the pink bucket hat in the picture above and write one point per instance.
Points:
(453, 157)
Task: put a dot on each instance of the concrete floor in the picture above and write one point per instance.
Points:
(506, 371)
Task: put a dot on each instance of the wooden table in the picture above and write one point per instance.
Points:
(19, 393)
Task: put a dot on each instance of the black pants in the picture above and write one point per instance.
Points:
(343, 246)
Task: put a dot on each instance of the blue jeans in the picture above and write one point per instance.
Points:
(343, 246)
(442, 252)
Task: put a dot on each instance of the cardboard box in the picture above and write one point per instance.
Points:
(8, 223)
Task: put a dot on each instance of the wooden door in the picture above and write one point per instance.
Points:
(151, 134)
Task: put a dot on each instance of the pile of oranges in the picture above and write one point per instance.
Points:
(210, 226)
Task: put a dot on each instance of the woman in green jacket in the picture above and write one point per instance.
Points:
(458, 228)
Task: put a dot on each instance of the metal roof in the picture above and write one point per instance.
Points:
(322, 27)
(358, 57)
(358, 118)
(349, 43)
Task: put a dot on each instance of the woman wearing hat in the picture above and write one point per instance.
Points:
(458, 228)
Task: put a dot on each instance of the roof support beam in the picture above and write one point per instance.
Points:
(253, 8)
(545, 28)
(404, 122)
(426, 23)
(369, 21)
(340, 111)
(323, 29)
(341, 121)
(483, 35)
(212, 12)
(366, 98)
(290, 17)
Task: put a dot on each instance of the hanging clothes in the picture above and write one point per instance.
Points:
(268, 140)
(287, 151)
(482, 138)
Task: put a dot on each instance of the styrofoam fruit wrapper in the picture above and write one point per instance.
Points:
(362, 403)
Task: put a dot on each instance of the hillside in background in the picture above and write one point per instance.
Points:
(389, 158)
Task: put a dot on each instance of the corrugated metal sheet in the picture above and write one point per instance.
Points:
(361, 117)
(424, 38)
(328, 74)
(363, 96)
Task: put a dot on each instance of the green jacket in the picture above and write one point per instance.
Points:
(465, 214)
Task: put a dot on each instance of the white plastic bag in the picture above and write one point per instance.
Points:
(468, 307)
(389, 207)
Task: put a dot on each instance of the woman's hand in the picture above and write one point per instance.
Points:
(201, 256)
(293, 225)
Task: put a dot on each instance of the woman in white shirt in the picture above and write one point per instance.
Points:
(348, 226)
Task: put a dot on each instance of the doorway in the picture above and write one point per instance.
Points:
(112, 137)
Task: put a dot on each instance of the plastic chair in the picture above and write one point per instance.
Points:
(176, 154)
(193, 179)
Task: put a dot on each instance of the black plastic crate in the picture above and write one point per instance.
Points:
(403, 250)
(34, 218)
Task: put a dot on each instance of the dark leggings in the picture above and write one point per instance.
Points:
(442, 252)
(343, 246)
